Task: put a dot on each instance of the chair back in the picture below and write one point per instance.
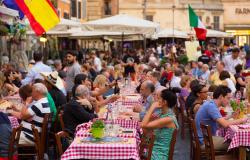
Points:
(208, 141)
(38, 144)
(194, 140)
(59, 136)
(172, 145)
(60, 116)
(14, 140)
(147, 143)
(44, 132)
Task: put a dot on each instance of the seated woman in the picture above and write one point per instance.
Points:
(225, 78)
(202, 95)
(100, 83)
(5, 128)
(10, 87)
(185, 84)
(25, 94)
(163, 126)
(240, 80)
(82, 79)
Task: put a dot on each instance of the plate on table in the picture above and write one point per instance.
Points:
(104, 139)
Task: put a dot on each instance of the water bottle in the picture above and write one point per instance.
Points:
(117, 89)
(109, 112)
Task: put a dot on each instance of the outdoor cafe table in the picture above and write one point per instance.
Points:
(127, 149)
(239, 135)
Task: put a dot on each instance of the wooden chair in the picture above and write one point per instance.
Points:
(172, 145)
(30, 150)
(209, 146)
(13, 142)
(59, 136)
(60, 116)
(184, 116)
(147, 143)
(195, 152)
(38, 143)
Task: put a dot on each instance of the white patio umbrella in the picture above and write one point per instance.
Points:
(64, 28)
(7, 15)
(217, 34)
(170, 33)
(106, 35)
(122, 23)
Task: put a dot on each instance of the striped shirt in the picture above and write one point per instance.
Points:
(37, 110)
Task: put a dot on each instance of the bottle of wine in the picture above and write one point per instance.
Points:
(117, 89)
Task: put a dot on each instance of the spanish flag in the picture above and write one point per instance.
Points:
(41, 14)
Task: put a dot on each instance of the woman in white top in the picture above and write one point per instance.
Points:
(225, 78)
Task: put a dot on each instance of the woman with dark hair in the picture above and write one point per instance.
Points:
(25, 93)
(201, 93)
(240, 80)
(8, 84)
(163, 126)
(80, 79)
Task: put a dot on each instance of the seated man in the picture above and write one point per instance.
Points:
(147, 89)
(79, 110)
(34, 114)
(209, 114)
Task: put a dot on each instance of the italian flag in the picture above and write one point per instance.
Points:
(194, 21)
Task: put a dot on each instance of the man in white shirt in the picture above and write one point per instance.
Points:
(159, 51)
(36, 69)
(97, 62)
(175, 81)
(232, 60)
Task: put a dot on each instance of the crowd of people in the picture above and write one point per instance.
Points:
(80, 90)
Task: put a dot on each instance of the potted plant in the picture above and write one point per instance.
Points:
(97, 129)
(238, 108)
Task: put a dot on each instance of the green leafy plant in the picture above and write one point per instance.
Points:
(98, 124)
(97, 129)
(237, 105)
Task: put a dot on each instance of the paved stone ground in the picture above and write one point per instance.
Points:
(182, 147)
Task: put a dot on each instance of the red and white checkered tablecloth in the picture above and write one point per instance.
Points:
(124, 123)
(239, 136)
(137, 100)
(13, 121)
(107, 151)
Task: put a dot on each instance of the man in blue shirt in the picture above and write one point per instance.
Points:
(209, 114)
(147, 89)
(35, 71)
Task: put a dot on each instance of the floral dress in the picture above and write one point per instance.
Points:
(163, 138)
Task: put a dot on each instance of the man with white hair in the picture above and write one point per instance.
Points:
(205, 72)
(147, 89)
(34, 113)
(79, 110)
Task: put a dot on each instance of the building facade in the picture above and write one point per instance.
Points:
(97, 9)
(237, 19)
(72, 9)
(174, 13)
(86, 10)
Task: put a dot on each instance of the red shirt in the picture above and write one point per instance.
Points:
(208, 53)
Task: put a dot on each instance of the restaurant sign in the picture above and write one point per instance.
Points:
(242, 10)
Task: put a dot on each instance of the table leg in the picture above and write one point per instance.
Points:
(242, 153)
